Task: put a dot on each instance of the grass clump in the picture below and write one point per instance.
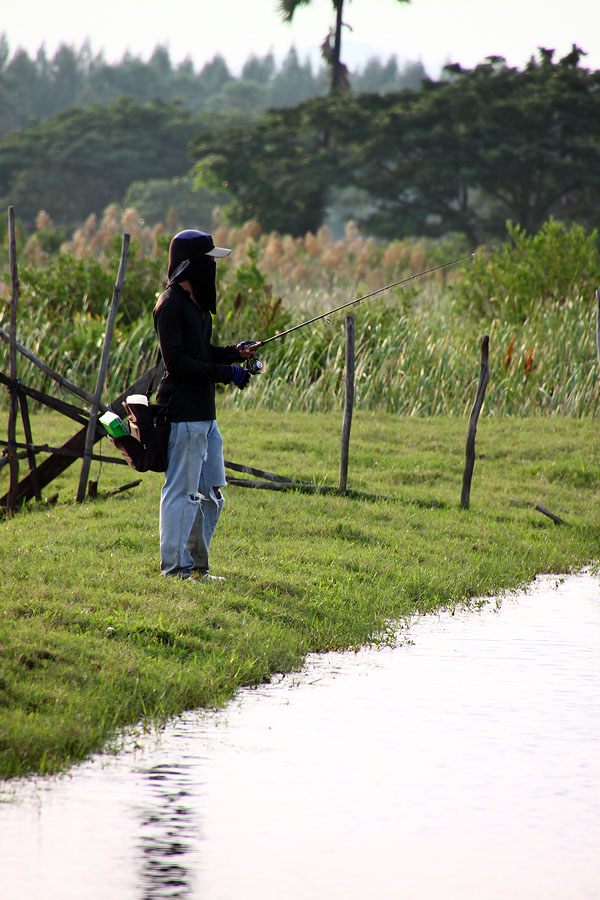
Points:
(93, 639)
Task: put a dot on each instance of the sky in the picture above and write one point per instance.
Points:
(434, 32)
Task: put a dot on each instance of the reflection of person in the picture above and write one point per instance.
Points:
(191, 499)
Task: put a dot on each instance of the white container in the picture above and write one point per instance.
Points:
(137, 398)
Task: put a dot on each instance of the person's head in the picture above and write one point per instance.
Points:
(192, 257)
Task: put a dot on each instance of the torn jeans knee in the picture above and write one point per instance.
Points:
(208, 515)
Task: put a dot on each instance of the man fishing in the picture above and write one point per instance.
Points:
(191, 499)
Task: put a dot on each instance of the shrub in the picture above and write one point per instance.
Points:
(556, 265)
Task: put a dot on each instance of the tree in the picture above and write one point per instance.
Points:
(241, 94)
(259, 70)
(527, 140)
(294, 83)
(155, 199)
(21, 79)
(77, 162)
(332, 44)
(66, 70)
(278, 171)
(214, 76)
(379, 78)
(376, 77)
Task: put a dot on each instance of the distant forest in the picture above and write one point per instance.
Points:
(33, 88)
(401, 154)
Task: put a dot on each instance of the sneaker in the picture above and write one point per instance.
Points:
(206, 576)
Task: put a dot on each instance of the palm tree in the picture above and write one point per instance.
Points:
(330, 53)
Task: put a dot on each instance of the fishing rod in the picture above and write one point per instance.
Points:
(330, 312)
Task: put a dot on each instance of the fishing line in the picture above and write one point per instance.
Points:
(330, 312)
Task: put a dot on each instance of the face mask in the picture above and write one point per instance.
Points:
(201, 273)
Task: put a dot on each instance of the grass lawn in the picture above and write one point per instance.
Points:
(93, 639)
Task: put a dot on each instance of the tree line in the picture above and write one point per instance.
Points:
(35, 87)
(462, 154)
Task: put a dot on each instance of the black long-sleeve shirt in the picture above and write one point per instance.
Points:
(192, 364)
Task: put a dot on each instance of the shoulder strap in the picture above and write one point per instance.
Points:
(159, 370)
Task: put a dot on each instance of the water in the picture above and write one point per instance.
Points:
(464, 763)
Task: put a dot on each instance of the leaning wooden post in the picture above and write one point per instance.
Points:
(29, 449)
(348, 403)
(484, 377)
(12, 356)
(110, 327)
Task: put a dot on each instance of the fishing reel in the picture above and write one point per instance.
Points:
(254, 366)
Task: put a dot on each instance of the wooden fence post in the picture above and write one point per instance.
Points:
(348, 403)
(110, 327)
(12, 356)
(484, 377)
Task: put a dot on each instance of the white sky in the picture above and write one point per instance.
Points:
(433, 31)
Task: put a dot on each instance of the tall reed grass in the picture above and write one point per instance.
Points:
(425, 361)
(417, 348)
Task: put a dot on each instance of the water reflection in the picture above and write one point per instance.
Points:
(462, 765)
(168, 833)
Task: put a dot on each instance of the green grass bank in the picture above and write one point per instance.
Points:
(93, 639)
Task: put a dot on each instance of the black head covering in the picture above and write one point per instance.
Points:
(192, 258)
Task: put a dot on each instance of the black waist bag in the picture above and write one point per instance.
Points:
(145, 449)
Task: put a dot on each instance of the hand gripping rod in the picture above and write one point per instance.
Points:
(330, 312)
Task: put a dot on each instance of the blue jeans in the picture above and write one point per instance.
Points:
(190, 500)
